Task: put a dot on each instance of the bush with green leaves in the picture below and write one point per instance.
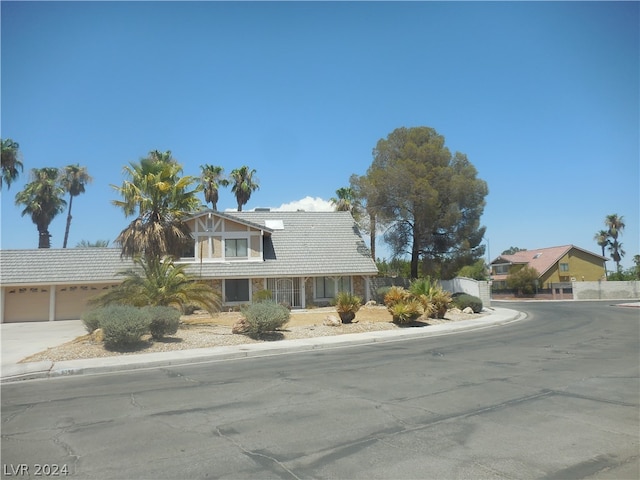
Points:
(123, 325)
(464, 300)
(91, 319)
(163, 321)
(262, 296)
(524, 281)
(263, 317)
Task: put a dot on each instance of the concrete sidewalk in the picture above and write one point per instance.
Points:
(20, 340)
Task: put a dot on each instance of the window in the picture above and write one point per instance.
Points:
(235, 247)
(501, 269)
(236, 290)
(564, 267)
(326, 286)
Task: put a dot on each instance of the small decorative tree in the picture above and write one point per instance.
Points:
(524, 281)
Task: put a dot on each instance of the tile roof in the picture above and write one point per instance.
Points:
(542, 259)
(57, 265)
(310, 244)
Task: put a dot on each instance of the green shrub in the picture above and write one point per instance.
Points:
(524, 281)
(262, 296)
(264, 317)
(91, 319)
(347, 305)
(162, 321)
(464, 300)
(405, 311)
(380, 294)
(123, 325)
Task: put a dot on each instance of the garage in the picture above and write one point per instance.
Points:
(26, 304)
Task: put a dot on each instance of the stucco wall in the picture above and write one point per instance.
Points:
(606, 290)
(480, 289)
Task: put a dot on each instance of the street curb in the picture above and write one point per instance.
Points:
(47, 369)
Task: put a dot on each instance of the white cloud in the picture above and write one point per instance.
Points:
(308, 204)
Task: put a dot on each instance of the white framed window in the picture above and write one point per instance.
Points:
(236, 248)
(236, 290)
(564, 267)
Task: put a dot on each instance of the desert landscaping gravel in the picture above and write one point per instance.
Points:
(203, 331)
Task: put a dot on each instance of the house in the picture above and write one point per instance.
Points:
(555, 265)
(303, 258)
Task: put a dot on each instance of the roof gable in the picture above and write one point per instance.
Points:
(233, 218)
(542, 259)
(305, 244)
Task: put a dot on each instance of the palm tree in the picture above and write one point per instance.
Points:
(42, 199)
(345, 201)
(601, 238)
(615, 225)
(617, 253)
(73, 179)
(159, 282)
(10, 161)
(243, 185)
(96, 244)
(161, 199)
(211, 180)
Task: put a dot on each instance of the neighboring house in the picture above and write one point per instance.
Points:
(555, 265)
(303, 258)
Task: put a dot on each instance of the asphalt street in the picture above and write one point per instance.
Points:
(553, 396)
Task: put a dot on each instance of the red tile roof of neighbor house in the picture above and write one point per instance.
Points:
(542, 259)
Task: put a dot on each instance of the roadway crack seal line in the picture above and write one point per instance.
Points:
(255, 454)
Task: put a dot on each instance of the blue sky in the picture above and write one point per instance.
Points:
(543, 97)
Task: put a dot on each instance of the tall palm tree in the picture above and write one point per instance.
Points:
(10, 161)
(160, 199)
(346, 201)
(615, 224)
(212, 179)
(602, 239)
(243, 185)
(42, 199)
(73, 179)
(157, 281)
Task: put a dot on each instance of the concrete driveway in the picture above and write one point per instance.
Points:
(19, 340)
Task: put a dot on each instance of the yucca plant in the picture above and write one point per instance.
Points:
(441, 299)
(405, 312)
(347, 305)
(434, 300)
(396, 295)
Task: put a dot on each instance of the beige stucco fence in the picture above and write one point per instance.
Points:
(480, 289)
(606, 290)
